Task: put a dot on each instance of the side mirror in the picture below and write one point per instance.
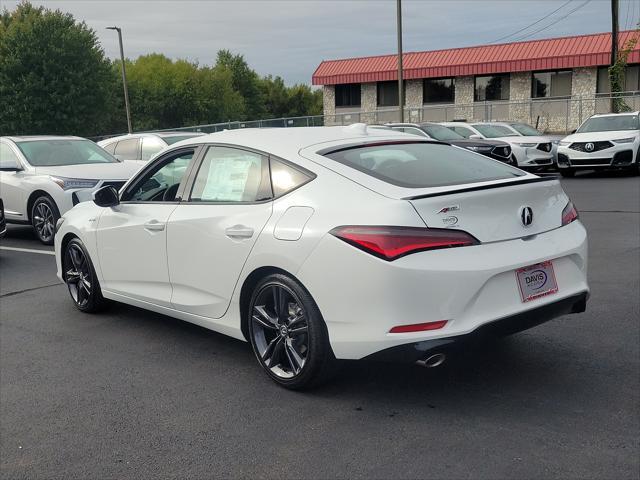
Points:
(106, 197)
(475, 137)
(10, 166)
(573, 131)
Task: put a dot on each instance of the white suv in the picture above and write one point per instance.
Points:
(528, 152)
(610, 141)
(43, 177)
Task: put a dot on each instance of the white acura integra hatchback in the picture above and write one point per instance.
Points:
(325, 243)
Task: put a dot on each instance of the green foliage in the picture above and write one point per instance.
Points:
(617, 75)
(54, 77)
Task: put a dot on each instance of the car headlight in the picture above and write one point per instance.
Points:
(563, 143)
(479, 148)
(72, 183)
(624, 140)
(526, 144)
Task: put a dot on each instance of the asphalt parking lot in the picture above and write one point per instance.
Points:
(133, 394)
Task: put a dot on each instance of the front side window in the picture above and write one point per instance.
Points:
(151, 146)
(494, 131)
(524, 129)
(348, 95)
(420, 165)
(551, 84)
(8, 158)
(438, 90)
(232, 175)
(58, 152)
(161, 183)
(462, 131)
(441, 133)
(491, 87)
(388, 94)
(127, 149)
(610, 124)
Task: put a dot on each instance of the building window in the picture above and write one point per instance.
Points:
(491, 87)
(348, 95)
(438, 90)
(631, 79)
(551, 84)
(388, 94)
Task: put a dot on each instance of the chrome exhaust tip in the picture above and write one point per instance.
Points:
(432, 361)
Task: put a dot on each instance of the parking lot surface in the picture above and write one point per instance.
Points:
(133, 394)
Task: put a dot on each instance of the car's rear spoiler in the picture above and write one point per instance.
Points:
(546, 178)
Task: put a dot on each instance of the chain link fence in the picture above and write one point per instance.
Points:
(554, 115)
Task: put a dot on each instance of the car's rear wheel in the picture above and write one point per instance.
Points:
(44, 215)
(567, 172)
(288, 334)
(80, 277)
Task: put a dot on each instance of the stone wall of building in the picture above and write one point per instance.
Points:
(464, 98)
(520, 97)
(369, 102)
(413, 100)
(583, 86)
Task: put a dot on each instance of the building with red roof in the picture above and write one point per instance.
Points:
(556, 81)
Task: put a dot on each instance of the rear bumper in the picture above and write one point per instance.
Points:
(505, 326)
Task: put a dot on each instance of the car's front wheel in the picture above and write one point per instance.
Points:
(81, 278)
(288, 334)
(44, 215)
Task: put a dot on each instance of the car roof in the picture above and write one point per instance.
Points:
(614, 114)
(33, 138)
(288, 141)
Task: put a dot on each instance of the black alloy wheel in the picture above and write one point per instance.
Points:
(288, 334)
(44, 215)
(80, 277)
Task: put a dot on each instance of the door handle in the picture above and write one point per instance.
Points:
(154, 226)
(239, 231)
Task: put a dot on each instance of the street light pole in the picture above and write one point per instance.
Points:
(124, 78)
(400, 82)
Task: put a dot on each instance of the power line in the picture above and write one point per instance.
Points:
(534, 23)
(553, 23)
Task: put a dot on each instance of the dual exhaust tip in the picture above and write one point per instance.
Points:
(432, 361)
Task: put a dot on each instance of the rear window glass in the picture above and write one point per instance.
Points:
(421, 165)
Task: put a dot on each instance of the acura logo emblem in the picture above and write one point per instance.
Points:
(526, 216)
(589, 147)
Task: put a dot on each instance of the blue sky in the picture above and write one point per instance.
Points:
(290, 37)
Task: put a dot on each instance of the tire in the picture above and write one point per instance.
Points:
(513, 161)
(280, 306)
(81, 279)
(567, 172)
(44, 215)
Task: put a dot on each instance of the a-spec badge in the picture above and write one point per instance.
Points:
(452, 208)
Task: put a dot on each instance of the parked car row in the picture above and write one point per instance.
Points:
(42, 177)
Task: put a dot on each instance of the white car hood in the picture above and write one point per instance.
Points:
(600, 136)
(94, 171)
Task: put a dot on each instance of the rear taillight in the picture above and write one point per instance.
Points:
(569, 214)
(390, 243)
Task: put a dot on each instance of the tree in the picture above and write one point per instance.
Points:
(617, 74)
(54, 77)
(245, 81)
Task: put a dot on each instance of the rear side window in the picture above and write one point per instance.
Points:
(127, 149)
(422, 165)
(232, 175)
(111, 147)
(285, 178)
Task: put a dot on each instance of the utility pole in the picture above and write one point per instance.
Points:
(400, 82)
(614, 47)
(124, 78)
